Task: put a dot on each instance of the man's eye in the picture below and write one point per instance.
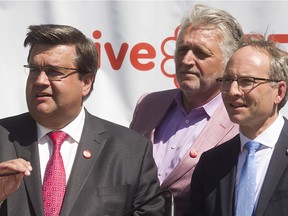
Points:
(200, 53)
(227, 80)
(34, 70)
(53, 72)
(182, 50)
(246, 82)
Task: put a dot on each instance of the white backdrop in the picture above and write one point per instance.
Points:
(135, 38)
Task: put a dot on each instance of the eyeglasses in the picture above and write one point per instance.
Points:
(54, 73)
(244, 83)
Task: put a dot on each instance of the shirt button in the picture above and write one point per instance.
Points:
(173, 147)
(187, 121)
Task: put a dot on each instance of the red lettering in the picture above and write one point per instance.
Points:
(280, 38)
(116, 62)
(137, 54)
(97, 34)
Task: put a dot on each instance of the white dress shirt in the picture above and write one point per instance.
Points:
(68, 148)
(267, 139)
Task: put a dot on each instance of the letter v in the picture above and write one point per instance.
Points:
(116, 62)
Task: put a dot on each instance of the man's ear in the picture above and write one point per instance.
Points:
(282, 86)
(87, 83)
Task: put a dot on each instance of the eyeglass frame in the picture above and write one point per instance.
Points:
(240, 87)
(59, 77)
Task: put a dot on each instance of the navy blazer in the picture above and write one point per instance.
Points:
(213, 181)
(120, 174)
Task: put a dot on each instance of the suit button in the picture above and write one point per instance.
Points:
(193, 153)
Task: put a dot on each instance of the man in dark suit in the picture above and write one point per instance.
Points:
(254, 89)
(108, 169)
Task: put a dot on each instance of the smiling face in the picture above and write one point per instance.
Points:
(256, 109)
(54, 104)
(199, 61)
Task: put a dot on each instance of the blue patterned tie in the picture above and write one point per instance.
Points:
(247, 183)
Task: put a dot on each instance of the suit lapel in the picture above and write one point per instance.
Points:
(150, 111)
(34, 183)
(212, 135)
(276, 168)
(26, 144)
(92, 141)
(160, 112)
(227, 176)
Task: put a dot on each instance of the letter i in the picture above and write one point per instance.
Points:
(97, 35)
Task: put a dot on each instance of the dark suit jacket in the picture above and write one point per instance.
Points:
(151, 110)
(120, 174)
(213, 181)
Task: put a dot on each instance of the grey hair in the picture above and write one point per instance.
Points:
(205, 17)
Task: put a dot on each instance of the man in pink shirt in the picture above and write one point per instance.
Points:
(182, 123)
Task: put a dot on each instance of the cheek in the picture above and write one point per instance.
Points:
(74, 89)
(178, 64)
(29, 90)
(215, 68)
(224, 96)
(263, 101)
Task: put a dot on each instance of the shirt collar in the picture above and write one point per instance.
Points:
(209, 107)
(73, 129)
(212, 105)
(268, 137)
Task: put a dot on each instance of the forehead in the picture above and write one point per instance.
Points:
(248, 61)
(55, 53)
(201, 34)
(62, 49)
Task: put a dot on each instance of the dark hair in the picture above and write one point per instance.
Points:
(86, 58)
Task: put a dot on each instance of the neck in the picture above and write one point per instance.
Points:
(191, 101)
(253, 130)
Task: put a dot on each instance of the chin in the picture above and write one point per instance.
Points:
(236, 119)
(40, 112)
(189, 86)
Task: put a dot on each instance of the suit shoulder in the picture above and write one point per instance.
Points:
(160, 94)
(226, 148)
(285, 127)
(114, 129)
(155, 102)
(17, 121)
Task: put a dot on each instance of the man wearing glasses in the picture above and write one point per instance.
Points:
(78, 164)
(248, 174)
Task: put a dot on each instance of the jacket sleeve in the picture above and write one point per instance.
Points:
(148, 186)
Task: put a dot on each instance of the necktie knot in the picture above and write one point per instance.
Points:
(252, 146)
(57, 137)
